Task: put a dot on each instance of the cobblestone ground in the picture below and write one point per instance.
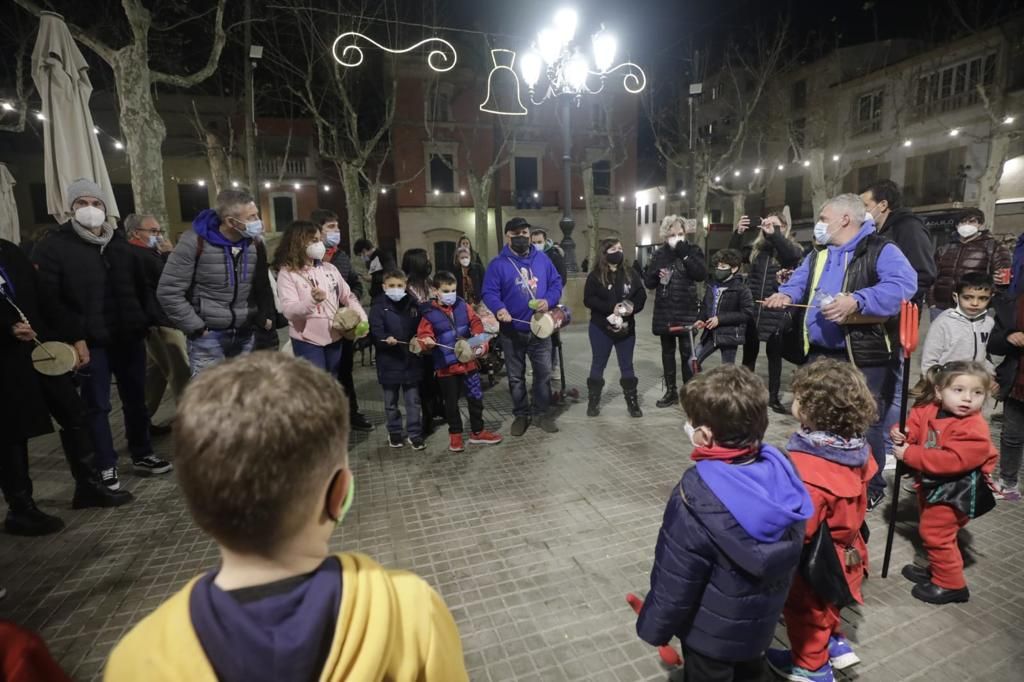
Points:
(533, 543)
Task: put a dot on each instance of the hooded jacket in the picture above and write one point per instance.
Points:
(732, 303)
(509, 279)
(896, 282)
(982, 254)
(908, 232)
(729, 544)
(954, 336)
(396, 365)
(222, 289)
(390, 626)
(308, 320)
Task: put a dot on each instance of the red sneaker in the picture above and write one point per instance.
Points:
(484, 437)
(455, 442)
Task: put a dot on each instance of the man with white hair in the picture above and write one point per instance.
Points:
(165, 346)
(215, 284)
(855, 285)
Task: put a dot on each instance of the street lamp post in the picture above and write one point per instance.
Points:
(567, 71)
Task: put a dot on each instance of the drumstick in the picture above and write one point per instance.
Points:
(24, 319)
(792, 305)
(439, 345)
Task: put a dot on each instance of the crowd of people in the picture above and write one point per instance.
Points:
(752, 530)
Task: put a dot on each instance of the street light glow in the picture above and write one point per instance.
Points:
(95, 130)
(437, 192)
(565, 23)
(757, 171)
(576, 71)
(954, 132)
(383, 190)
(297, 186)
(118, 144)
(781, 167)
(835, 157)
(605, 46)
(7, 106)
(266, 185)
(549, 45)
(1009, 119)
(718, 178)
(234, 183)
(683, 193)
(462, 193)
(662, 197)
(907, 142)
(736, 173)
(40, 116)
(530, 66)
(201, 183)
(327, 188)
(807, 164)
(622, 200)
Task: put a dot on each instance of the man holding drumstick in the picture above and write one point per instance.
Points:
(853, 288)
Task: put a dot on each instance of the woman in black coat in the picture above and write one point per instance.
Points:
(772, 250)
(614, 294)
(675, 268)
(469, 276)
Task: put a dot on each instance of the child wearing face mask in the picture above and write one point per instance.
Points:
(310, 292)
(270, 487)
(444, 322)
(728, 308)
(947, 441)
(962, 333)
(731, 535)
(394, 318)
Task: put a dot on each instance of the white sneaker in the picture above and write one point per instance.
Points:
(109, 478)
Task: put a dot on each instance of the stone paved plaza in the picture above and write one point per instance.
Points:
(533, 543)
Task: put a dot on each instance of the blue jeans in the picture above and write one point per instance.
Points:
(706, 350)
(601, 350)
(517, 346)
(217, 345)
(413, 425)
(884, 383)
(325, 357)
(127, 362)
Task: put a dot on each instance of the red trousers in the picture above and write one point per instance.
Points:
(938, 528)
(809, 623)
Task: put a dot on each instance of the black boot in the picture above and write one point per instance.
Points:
(25, 518)
(776, 405)
(632, 399)
(671, 396)
(89, 490)
(594, 388)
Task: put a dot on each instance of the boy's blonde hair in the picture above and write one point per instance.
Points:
(834, 397)
(255, 439)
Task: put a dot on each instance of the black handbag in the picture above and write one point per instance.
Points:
(969, 493)
(820, 567)
(793, 350)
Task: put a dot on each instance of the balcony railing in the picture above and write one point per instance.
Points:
(291, 167)
(526, 200)
(945, 104)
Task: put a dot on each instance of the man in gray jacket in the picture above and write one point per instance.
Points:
(215, 281)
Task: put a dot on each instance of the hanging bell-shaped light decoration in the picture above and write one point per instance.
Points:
(503, 86)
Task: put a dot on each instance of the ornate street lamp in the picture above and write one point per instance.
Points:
(559, 58)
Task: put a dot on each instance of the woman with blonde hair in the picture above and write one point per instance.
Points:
(773, 250)
(673, 272)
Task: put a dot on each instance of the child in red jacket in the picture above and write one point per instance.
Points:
(834, 461)
(948, 444)
(443, 323)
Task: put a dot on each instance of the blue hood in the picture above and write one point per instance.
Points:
(765, 497)
(504, 287)
(282, 636)
(207, 226)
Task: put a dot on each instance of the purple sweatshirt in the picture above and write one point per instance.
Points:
(897, 282)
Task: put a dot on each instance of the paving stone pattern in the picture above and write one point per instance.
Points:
(533, 543)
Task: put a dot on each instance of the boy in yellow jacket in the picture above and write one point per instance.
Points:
(270, 487)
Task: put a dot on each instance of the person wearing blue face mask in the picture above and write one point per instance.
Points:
(394, 318)
(854, 286)
(215, 284)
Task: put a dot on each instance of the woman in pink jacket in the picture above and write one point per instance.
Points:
(310, 292)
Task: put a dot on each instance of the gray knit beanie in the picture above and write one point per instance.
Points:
(84, 187)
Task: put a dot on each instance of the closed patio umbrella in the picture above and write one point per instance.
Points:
(9, 229)
(72, 149)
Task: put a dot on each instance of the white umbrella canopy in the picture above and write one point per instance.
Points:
(9, 228)
(72, 150)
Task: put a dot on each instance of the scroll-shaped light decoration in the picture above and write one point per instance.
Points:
(352, 54)
(507, 82)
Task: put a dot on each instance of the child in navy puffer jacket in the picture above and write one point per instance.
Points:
(731, 536)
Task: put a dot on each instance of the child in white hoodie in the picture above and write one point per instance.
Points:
(962, 333)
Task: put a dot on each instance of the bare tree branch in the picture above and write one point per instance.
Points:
(104, 51)
(219, 38)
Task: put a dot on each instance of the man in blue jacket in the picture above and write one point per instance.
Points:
(519, 281)
(855, 285)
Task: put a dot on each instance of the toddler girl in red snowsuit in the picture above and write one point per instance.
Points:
(834, 461)
(948, 444)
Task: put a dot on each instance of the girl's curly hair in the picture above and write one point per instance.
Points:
(835, 398)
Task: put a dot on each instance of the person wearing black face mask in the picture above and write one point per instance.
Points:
(614, 294)
(728, 309)
(519, 282)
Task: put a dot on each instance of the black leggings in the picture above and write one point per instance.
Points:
(773, 349)
(668, 357)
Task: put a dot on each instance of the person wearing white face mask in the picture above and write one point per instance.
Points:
(858, 279)
(215, 285)
(311, 291)
(470, 276)
(974, 249)
(97, 284)
(672, 273)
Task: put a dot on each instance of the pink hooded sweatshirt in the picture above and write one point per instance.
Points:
(307, 320)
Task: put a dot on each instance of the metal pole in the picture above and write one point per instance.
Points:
(250, 109)
(567, 224)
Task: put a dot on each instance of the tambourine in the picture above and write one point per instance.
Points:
(415, 347)
(544, 325)
(624, 309)
(468, 350)
(54, 358)
(350, 323)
